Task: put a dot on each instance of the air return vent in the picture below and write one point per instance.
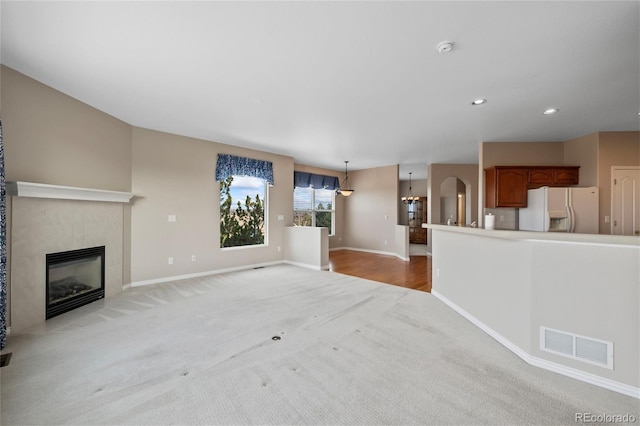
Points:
(582, 348)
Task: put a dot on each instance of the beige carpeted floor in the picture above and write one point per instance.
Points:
(350, 351)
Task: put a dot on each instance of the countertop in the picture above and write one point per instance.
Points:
(619, 240)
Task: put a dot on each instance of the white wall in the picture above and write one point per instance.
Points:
(487, 277)
(307, 246)
(514, 282)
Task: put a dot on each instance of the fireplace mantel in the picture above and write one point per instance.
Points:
(41, 190)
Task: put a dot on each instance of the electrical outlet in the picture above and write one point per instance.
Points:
(607, 219)
(385, 242)
(438, 272)
(501, 218)
(171, 218)
(279, 248)
(193, 257)
(170, 261)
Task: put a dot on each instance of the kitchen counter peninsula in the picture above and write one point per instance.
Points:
(542, 236)
(531, 290)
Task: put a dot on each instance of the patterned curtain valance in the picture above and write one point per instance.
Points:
(230, 165)
(309, 180)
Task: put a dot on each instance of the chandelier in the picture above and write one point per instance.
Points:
(345, 188)
(409, 199)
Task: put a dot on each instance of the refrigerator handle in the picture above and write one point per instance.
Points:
(571, 226)
(570, 215)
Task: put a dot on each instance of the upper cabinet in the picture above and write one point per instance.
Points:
(552, 176)
(506, 186)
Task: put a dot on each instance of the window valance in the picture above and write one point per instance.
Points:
(230, 165)
(310, 180)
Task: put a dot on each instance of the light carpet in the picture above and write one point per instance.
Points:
(350, 351)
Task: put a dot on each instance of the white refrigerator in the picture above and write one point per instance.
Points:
(561, 210)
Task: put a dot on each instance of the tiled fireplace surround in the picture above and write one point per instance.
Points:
(44, 225)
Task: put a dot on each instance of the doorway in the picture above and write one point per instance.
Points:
(625, 200)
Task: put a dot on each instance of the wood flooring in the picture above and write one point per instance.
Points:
(415, 274)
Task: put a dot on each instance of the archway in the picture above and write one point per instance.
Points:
(454, 205)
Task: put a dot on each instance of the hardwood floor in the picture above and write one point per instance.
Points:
(414, 274)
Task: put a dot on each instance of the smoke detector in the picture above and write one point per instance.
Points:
(445, 46)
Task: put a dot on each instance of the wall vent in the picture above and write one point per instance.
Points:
(586, 349)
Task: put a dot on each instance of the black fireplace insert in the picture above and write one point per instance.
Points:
(74, 278)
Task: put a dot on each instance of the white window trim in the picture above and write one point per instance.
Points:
(313, 210)
(266, 223)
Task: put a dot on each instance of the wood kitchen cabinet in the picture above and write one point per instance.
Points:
(506, 186)
(553, 176)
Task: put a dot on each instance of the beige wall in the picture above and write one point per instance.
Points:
(438, 173)
(175, 175)
(583, 152)
(614, 149)
(371, 212)
(335, 241)
(521, 154)
(52, 138)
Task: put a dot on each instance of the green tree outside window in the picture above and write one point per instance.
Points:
(240, 225)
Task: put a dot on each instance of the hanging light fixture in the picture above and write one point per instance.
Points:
(345, 188)
(409, 199)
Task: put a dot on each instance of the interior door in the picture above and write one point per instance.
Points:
(625, 200)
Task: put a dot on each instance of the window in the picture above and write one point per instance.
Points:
(314, 207)
(242, 211)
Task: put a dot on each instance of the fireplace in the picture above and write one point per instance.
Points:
(74, 278)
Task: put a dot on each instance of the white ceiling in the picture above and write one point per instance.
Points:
(325, 82)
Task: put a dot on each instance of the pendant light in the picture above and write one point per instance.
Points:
(345, 188)
(409, 199)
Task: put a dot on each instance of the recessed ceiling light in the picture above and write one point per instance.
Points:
(550, 111)
(479, 102)
(444, 46)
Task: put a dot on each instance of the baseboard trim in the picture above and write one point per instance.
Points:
(384, 253)
(199, 274)
(307, 265)
(583, 376)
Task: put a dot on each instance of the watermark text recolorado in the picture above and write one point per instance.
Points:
(605, 418)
